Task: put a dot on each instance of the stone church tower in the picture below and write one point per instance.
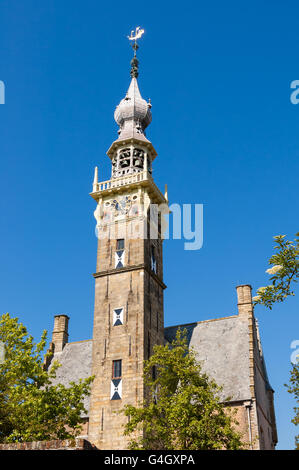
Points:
(128, 316)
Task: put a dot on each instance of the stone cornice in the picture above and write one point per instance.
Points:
(125, 269)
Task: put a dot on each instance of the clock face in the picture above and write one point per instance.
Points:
(122, 205)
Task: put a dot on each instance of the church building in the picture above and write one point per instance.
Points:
(129, 305)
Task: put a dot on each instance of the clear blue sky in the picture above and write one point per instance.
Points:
(218, 74)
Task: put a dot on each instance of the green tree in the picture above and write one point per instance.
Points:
(293, 388)
(183, 410)
(31, 408)
(285, 272)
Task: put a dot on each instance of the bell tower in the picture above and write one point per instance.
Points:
(128, 315)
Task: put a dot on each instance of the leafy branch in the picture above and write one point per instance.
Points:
(284, 271)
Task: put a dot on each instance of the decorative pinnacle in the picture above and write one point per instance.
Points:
(134, 62)
(95, 180)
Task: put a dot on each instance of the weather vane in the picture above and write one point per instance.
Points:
(134, 36)
(134, 62)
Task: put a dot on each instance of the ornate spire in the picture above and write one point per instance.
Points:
(132, 152)
(133, 114)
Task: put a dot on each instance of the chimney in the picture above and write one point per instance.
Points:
(245, 305)
(60, 332)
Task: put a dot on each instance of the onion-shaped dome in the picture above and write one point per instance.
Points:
(133, 114)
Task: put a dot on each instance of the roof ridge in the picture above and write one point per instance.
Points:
(202, 321)
(80, 341)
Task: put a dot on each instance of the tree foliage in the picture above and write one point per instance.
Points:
(293, 388)
(31, 408)
(284, 272)
(182, 409)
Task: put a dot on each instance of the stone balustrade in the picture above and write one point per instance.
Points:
(122, 181)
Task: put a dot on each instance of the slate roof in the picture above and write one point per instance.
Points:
(75, 360)
(222, 347)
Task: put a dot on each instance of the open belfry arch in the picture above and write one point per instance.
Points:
(129, 307)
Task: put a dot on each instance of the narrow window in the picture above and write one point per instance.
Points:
(120, 244)
(102, 420)
(118, 316)
(153, 260)
(120, 253)
(116, 381)
(116, 369)
(130, 345)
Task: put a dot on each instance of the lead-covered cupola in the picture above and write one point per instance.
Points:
(133, 114)
(132, 152)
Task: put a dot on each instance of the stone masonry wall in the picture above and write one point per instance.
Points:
(139, 291)
(78, 444)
